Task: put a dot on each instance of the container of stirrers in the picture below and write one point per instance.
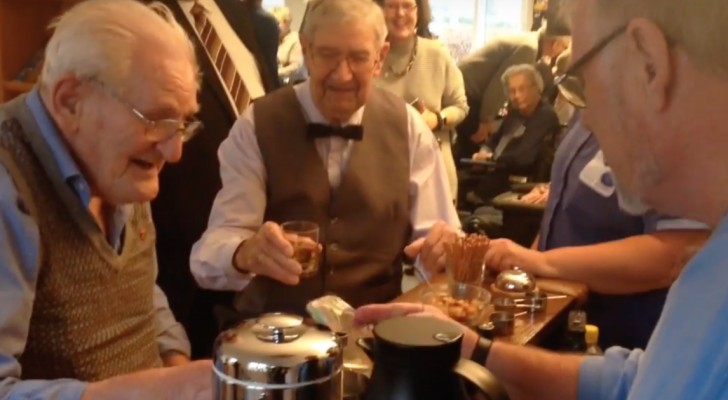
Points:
(465, 260)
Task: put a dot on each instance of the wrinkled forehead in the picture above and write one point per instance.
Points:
(345, 37)
(163, 79)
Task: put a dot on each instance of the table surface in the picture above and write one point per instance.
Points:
(529, 328)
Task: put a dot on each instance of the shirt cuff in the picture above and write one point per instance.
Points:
(174, 339)
(213, 267)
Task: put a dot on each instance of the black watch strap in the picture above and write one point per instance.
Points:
(482, 349)
(439, 122)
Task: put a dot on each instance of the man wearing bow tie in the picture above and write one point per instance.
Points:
(334, 150)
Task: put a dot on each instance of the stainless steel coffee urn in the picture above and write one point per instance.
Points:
(277, 356)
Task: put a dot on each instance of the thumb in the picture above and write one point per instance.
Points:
(414, 248)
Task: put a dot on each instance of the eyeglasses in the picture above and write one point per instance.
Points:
(570, 83)
(329, 60)
(159, 130)
(406, 7)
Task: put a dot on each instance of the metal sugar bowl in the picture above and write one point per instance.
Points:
(277, 356)
(514, 282)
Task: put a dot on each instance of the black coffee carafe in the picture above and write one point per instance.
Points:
(418, 358)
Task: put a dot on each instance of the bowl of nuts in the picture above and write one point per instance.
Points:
(464, 303)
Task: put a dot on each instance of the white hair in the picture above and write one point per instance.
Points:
(322, 12)
(98, 38)
(282, 13)
(523, 69)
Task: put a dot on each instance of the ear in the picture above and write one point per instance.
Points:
(306, 50)
(650, 59)
(63, 101)
(382, 56)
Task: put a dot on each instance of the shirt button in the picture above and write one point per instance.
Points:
(334, 220)
(334, 246)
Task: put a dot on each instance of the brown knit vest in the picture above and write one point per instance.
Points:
(93, 313)
(365, 223)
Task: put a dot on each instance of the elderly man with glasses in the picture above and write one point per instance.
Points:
(656, 83)
(80, 156)
(337, 151)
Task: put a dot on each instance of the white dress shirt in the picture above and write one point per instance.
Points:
(239, 207)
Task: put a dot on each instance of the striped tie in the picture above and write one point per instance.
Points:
(220, 59)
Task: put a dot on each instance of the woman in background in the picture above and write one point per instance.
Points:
(421, 71)
(290, 56)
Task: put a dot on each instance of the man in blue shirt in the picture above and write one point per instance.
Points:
(627, 261)
(81, 316)
(656, 81)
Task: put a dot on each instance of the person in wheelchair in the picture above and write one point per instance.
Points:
(519, 145)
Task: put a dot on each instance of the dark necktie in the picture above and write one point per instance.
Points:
(316, 131)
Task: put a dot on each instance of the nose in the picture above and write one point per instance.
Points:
(171, 149)
(343, 71)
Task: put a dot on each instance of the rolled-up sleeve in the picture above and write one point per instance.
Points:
(609, 377)
(658, 222)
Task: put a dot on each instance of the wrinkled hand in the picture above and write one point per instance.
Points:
(538, 195)
(192, 381)
(269, 252)
(431, 248)
(374, 313)
(504, 254)
(482, 155)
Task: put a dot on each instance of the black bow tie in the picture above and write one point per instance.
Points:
(353, 132)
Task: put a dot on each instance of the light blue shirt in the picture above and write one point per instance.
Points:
(19, 249)
(687, 356)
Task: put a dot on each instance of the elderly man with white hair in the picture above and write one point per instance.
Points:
(337, 151)
(81, 316)
(656, 85)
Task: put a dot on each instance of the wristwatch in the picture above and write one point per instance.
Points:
(482, 349)
(442, 120)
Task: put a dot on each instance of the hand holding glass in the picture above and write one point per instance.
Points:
(304, 236)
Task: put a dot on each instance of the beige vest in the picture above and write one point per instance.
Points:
(93, 314)
(365, 223)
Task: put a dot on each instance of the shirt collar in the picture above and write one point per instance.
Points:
(312, 113)
(59, 149)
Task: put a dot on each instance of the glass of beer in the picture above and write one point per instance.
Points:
(304, 236)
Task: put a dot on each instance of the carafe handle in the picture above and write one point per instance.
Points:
(366, 344)
(482, 378)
